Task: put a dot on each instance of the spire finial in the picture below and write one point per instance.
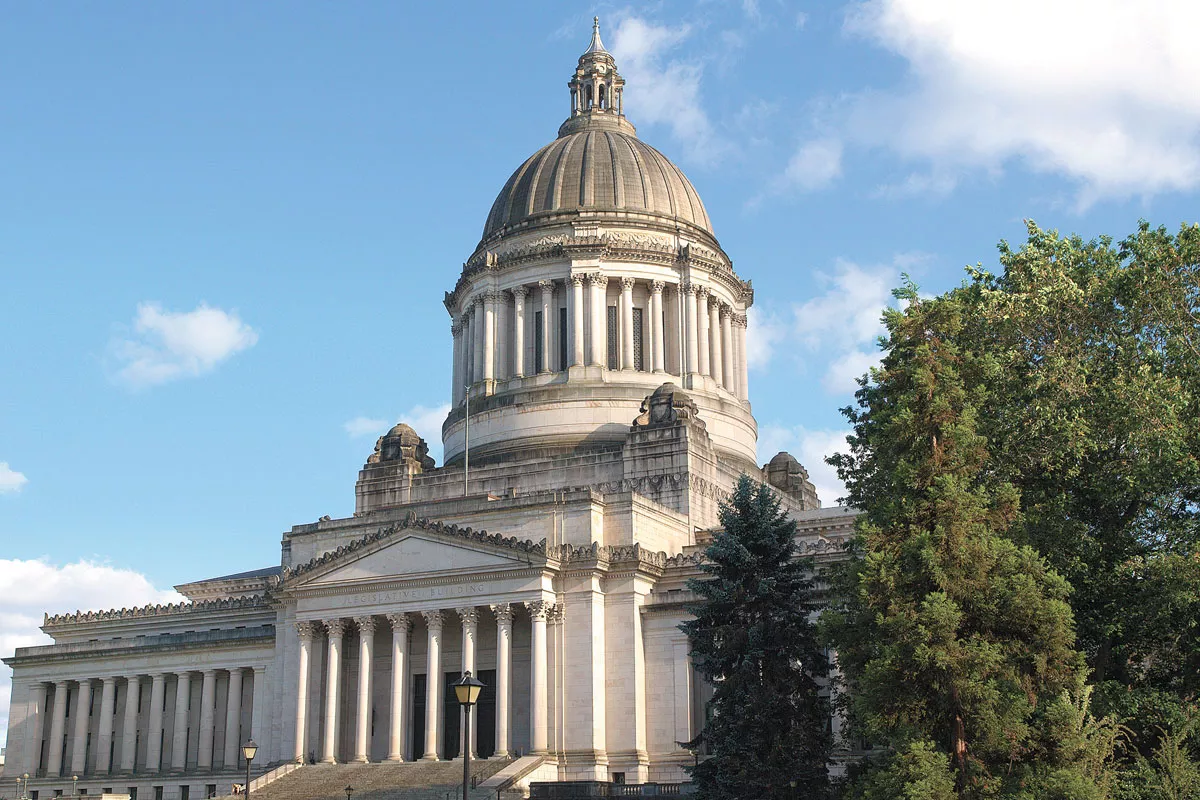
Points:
(596, 46)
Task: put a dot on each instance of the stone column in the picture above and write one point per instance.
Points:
(657, 343)
(154, 732)
(58, 731)
(504, 618)
(627, 361)
(743, 376)
(597, 285)
(133, 689)
(714, 340)
(335, 629)
(233, 719)
(690, 349)
(470, 623)
(82, 718)
(683, 692)
(702, 364)
(479, 332)
(539, 715)
(547, 300)
(456, 369)
(179, 743)
(503, 364)
(400, 626)
(433, 683)
(33, 757)
(489, 336)
(519, 294)
(727, 348)
(576, 312)
(208, 721)
(366, 653)
(258, 710)
(305, 632)
(108, 703)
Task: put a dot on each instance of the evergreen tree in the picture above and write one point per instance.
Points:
(957, 645)
(767, 736)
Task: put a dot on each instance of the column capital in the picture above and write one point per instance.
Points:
(598, 279)
(557, 614)
(687, 288)
(468, 615)
(656, 287)
(210, 671)
(503, 613)
(702, 292)
(546, 285)
(519, 292)
(107, 679)
(740, 320)
(539, 609)
(726, 311)
(493, 296)
(627, 284)
(577, 278)
(305, 629)
(366, 625)
(335, 628)
(433, 620)
(400, 622)
(714, 301)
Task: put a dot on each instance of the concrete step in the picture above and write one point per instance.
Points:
(421, 780)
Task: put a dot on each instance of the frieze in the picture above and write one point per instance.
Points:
(161, 610)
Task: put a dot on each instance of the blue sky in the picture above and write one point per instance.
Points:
(226, 228)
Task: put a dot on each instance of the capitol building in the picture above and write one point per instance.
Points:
(600, 413)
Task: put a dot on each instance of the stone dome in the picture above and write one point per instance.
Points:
(596, 168)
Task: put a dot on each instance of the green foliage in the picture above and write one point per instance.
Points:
(767, 735)
(918, 772)
(952, 635)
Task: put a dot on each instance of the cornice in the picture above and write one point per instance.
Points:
(252, 602)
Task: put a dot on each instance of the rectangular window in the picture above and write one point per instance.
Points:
(185, 792)
(132, 792)
(158, 793)
(639, 362)
(614, 361)
(68, 706)
(562, 338)
(539, 344)
(210, 790)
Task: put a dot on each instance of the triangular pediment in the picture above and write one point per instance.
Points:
(416, 548)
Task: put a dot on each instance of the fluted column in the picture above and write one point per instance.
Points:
(627, 361)
(479, 332)
(690, 349)
(539, 712)
(519, 294)
(305, 631)
(58, 730)
(334, 629)
(714, 340)
(133, 689)
(400, 626)
(727, 348)
(208, 722)
(576, 313)
(433, 683)
(489, 336)
(79, 750)
(108, 703)
(468, 350)
(547, 300)
(657, 342)
(504, 618)
(702, 345)
(366, 653)
(597, 286)
(179, 743)
(456, 380)
(470, 623)
(744, 368)
(155, 732)
(233, 719)
(38, 721)
(259, 699)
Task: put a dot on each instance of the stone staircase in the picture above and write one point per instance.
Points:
(419, 780)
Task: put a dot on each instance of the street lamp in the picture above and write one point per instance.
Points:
(249, 751)
(349, 791)
(25, 791)
(467, 690)
(74, 786)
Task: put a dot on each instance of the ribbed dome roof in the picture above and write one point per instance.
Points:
(596, 168)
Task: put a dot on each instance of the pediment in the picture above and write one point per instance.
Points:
(416, 548)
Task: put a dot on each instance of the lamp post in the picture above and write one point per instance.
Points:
(349, 791)
(467, 690)
(74, 786)
(25, 789)
(249, 751)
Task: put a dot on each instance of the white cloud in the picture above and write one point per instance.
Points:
(815, 165)
(661, 90)
(29, 588)
(762, 334)
(10, 479)
(425, 420)
(167, 345)
(810, 448)
(801, 20)
(1105, 92)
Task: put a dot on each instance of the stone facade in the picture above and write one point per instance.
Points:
(600, 415)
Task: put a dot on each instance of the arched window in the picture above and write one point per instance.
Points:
(603, 96)
(589, 96)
